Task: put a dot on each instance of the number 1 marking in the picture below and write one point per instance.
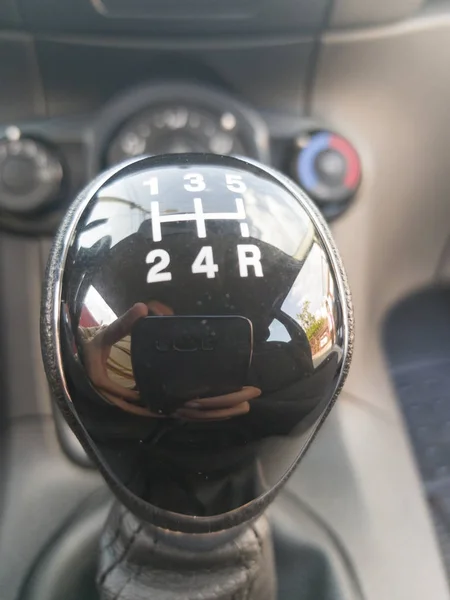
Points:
(153, 185)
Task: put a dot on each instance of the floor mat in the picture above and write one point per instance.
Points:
(417, 343)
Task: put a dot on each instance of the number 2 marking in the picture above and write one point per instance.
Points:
(155, 275)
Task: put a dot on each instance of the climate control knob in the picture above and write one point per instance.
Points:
(30, 175)
(328, 167)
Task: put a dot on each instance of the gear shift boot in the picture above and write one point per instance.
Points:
(232, 566)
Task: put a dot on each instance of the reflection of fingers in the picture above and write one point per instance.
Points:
(213, 415)
(131, 408)
(227, 400)
(102, 382)
(122, 326)
(159, 309)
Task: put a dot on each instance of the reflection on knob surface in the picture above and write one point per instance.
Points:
(203, 328)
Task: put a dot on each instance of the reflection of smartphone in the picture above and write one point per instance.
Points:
(176, 359)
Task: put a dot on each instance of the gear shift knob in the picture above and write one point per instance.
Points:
(196, 329)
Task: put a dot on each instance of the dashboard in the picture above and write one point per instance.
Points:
(43, 164)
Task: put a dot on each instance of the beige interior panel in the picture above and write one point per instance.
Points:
(388, 91)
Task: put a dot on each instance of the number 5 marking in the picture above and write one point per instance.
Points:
(155, 275)
(235, 183)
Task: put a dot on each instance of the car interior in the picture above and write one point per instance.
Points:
(349, 100)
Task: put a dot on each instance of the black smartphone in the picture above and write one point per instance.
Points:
(181, 358)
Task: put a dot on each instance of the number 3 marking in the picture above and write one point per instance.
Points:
(154, 275)
(196, 183)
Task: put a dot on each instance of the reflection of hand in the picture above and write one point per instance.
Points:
(96, 353)
(219, 407)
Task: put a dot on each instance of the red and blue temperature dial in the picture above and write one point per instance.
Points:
(328, 168)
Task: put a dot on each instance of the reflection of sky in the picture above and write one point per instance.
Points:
(278, 332)
(311, 284)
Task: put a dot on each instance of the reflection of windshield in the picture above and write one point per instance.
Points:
(116, 218)
(95, 310)
(294, 232)
(310, 302)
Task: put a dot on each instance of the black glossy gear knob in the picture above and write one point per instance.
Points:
(196, 328)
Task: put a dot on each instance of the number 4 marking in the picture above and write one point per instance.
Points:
(204, 262)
